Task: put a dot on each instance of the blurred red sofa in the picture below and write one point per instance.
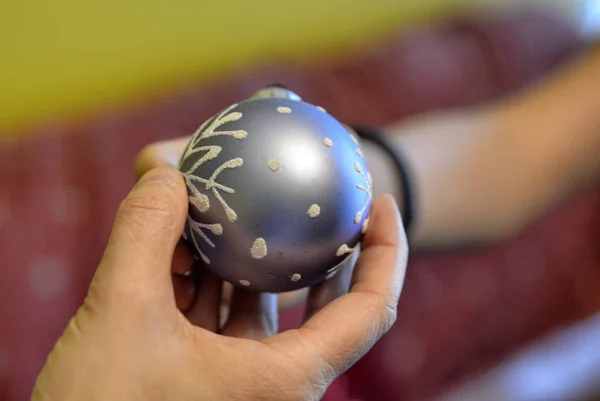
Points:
(460, 313)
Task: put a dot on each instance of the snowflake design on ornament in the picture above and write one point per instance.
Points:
(367, 187)
(196, 198)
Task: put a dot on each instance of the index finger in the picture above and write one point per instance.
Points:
(344, 330)
(159, 154)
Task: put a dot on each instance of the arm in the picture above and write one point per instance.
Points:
(485, 173)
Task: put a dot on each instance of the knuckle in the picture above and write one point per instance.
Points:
(151, 203)
(386, 310)
(389, 315)
(148, 208)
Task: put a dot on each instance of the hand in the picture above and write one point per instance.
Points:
(129, 341)
(168, 153)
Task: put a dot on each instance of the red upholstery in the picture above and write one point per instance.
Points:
(459, 313)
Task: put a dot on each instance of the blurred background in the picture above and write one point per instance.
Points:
(85, 85)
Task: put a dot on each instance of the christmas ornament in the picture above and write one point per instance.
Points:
(279, 193)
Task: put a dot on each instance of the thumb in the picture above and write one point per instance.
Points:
(147, 227)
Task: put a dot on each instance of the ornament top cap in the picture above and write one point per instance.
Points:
(276, 91)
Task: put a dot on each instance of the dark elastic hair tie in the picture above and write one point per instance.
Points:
(378, 137)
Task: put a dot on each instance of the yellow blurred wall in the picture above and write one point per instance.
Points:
(59, 59)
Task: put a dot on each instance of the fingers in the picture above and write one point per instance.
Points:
(205, 311)
(344, 330)
(146, 230)
(252, 315)
(325, 292)
(160, 154)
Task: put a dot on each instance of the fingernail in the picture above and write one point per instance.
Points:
(163, 175)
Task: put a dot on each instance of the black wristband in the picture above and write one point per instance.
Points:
(379, 138)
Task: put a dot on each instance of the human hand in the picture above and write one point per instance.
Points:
(129, 341)
(168, 153)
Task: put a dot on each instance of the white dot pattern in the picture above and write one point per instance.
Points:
(314, 210)
(259, 248)
(274, 164)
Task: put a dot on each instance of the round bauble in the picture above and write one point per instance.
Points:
(279, 193)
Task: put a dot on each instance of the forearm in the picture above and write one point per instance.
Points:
(482, 174)
(449, 159)
(557, 127)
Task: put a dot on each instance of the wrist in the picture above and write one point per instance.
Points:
(389, 170)
(381, 166)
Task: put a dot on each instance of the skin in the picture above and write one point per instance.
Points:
(147, 331)
(168, 153)
(482, 174)
(133, 340)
